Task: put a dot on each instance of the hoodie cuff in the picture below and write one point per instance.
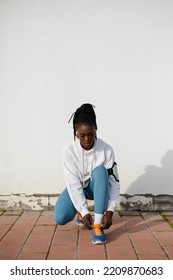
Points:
(112, 205)
(84, 212)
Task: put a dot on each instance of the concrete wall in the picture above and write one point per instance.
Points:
(56, 55)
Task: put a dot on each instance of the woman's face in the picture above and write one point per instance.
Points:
(86, 134)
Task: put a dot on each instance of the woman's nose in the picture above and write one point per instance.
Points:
(86, 138)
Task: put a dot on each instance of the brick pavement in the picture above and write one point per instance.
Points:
(133, 236)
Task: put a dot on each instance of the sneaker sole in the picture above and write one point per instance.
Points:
(79, 223)
(99, 242)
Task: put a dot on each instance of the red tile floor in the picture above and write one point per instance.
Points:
(133, 236)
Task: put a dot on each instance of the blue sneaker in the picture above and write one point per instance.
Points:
(98, 236)
(79, 220)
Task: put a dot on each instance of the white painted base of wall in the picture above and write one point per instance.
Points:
(144, 202)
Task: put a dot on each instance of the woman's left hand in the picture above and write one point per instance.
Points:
(87, 220)
(107, 219)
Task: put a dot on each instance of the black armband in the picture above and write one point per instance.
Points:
(114, 171)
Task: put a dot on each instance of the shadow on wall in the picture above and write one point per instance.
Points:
(153, 190)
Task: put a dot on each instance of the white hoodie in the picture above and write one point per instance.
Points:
(78, 165)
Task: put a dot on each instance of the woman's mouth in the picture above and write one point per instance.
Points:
(87, 145)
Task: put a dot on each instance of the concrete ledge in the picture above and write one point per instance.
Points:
(146, 202)
(27, 202)
(137, 202)
(31, 202)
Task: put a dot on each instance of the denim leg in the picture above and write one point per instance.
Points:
(64, 211)
(98, 185)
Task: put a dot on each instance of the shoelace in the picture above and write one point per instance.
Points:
(97, 229)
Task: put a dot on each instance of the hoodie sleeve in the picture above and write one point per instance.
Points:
(73, 183)
(114, 186)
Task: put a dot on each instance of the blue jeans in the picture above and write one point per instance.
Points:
(96, 190)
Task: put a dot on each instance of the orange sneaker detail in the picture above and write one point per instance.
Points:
(79, 216)
(97, 229)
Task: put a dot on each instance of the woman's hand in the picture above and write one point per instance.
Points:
(88, 221)
(107, 219)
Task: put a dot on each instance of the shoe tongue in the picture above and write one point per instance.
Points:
(97, 229)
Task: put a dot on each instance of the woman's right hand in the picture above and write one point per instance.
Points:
(88, 221)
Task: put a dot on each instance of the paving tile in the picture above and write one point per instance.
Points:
(32, 256)
(157, 226)
(120, 252)
(14, 238)
(27, 219)
(169, 250)
(62, 252)
(12, 213)
(116, 218)
(166, 238)
(7, 220)
(22, 227)
(9, 252)
(30, 215)
(43, 231)
(117, 226)
(153, 257)
(64, 243)
(3, 230)
(46, 220)
(47, 213)
(132, 219)
(139, 231)
(26, 222)
(34, 235)
(68, 227)
(133, 222)
(115, 238)
(64, 238)
(118, 244)
(146, 245)
(90, 256)
(152, 216)
(87, 250)
(37, 244)
(150, 249)
(129, 213)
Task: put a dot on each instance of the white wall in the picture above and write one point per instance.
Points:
(56, 55)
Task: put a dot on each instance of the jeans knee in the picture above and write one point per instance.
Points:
(63, 217)
(59, 218)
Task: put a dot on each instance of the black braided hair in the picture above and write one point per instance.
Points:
(85, 114)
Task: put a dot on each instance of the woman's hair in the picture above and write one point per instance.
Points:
(85, 114)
